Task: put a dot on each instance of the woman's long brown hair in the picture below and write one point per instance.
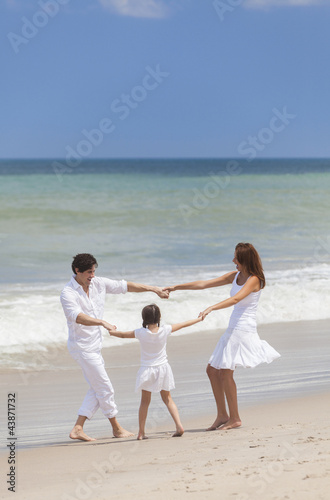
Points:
(248, 257)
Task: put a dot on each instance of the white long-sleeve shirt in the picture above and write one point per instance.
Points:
(75, 300)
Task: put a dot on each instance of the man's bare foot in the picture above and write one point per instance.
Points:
(217, 423)
(78, 433)
(178, 432)
(119, 432)
(231, 424)
(141, 436)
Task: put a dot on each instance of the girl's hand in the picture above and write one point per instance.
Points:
(205, 313)
(168, 289)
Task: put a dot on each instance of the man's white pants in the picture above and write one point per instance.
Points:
(101, 393)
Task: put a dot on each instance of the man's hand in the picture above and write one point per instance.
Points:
(168, 289)
(162, 293)
(108, 327)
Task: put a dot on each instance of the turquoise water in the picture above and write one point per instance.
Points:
(158, 216)
(160, 222)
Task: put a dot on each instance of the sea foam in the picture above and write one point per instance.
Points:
(32, 319)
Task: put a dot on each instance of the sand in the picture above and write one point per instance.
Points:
(282, 451)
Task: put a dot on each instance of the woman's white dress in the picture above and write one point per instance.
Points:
(241, 345)
(155, 373)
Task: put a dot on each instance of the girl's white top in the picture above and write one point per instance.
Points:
(153, 345)
(244, 314)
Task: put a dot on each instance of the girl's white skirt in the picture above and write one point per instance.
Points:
(155, 378)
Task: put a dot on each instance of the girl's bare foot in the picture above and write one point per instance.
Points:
(141, 436)
(78, 433)
(231, 424)
(178, 432)
(217, 423)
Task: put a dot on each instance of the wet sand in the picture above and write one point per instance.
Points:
(281, 451)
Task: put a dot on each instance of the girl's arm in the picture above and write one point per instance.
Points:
(250, 286)
(190, 322)
(122, 335)
(226, 279)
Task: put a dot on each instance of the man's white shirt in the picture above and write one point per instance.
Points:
(75, 300)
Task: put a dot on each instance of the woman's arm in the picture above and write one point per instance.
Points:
(226, 279)
(190, 322)
(122, 335)
(250, 286)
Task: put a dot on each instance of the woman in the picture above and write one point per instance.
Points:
(240, 344)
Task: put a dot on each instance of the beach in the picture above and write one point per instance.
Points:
(157, 222)
(163, 222)
(281, 451)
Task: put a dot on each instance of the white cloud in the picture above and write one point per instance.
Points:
(137, 8)
(263, 4)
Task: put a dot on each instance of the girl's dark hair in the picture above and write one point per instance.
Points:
(83, 262)
(150, 315)
(248, 257)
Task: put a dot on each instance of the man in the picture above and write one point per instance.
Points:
(83, 300)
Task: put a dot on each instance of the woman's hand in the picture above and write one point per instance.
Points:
(168, 289)
(205, 313)
(162, 292)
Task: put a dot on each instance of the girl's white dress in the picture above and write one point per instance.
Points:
(241, 344)
(155, 373)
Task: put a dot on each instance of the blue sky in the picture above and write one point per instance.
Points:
(156, 78)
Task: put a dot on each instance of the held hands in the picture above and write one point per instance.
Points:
(168, 289)
(108, 327)
(205, 313)
(163, 293)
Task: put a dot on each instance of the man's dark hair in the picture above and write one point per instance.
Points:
(150, 315)
(83, 262)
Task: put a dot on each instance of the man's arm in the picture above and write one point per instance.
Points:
(138, 288)
(84, 319)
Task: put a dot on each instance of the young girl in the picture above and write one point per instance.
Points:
(155, 373)
(240, 344)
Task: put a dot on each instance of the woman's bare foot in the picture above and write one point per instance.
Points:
(120, 432)
(178, 432)
(78, 433)
(217, 423)
(141, 436)
(231, 424)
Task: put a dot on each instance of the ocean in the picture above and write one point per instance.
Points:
(158, 222)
